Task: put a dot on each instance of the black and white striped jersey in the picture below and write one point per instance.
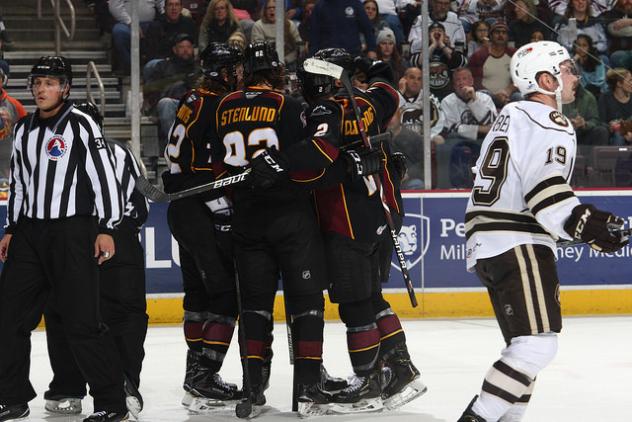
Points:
(521, 193)
(127, 170)
(62, 167)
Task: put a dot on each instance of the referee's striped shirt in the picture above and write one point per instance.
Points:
(61, 167)
(127, 170)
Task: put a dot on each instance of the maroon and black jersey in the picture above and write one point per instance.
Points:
(250, 121)
(353, 208)
(188, 151)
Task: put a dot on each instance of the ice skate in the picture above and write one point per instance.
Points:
(133, 399)
(469, 415)
(401, 381)
(212, 393)
(312, 400)
(13, 412)
(331, 384)
(107, 417)
(63, 405)
(362, 395)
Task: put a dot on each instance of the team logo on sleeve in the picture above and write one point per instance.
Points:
(56, 148)
(558, 118)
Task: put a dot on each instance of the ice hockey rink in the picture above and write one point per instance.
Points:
(590, 379)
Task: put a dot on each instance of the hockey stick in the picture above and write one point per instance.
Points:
(243, 409)
(322, 67)
(566, 243)
(154, 193)
(375, 140)
(290, 347)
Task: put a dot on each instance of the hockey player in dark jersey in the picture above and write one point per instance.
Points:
(353, 223)
(201, 225)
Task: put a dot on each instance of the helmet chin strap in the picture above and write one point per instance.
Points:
(557, 93)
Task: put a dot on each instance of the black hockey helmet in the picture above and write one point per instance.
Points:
(52, 66)
(338, 56)
(217, 57)
(314, 85)
(91, 110)
(260, 56)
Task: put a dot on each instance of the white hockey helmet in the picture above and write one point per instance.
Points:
(534, 58)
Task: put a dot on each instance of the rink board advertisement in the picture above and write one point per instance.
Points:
(433, 242)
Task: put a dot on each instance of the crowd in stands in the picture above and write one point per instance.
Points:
(471, 43)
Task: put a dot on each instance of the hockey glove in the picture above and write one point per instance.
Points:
(600, 229)
(399, 162)
(374, 69)
(268, 168)
(363, 162)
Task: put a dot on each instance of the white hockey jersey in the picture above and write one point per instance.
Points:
(465, 118)
(521, 193)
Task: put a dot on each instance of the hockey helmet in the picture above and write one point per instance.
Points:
(260, 56)
(217, 57)
(338, 56)
(53, 66)
(532, 59)
(91, 110)
(314, 85)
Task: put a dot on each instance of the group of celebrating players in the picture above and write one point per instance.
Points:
(310, 214)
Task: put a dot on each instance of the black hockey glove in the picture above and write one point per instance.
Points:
(374, 69)
(362, 162)
(600, 229)
(399, 162)
(268, 168)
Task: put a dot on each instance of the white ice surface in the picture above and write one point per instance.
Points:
(590, 379)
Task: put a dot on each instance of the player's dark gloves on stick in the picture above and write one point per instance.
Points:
(362, 162)
(268, 168)
(374, 68)
(600, 229)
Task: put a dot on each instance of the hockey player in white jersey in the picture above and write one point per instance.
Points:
(520, 205)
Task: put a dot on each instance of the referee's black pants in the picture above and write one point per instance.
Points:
(123, 308)
(57, 256)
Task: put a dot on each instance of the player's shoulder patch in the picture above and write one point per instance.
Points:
(559, 119)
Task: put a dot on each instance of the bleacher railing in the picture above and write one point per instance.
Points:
(60, 25)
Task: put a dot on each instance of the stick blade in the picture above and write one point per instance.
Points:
(321, 67)
(150, 191)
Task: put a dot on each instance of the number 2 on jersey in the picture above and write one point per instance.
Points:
(265, 137)
(494, 171)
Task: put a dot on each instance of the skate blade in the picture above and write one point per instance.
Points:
(310, 409)
(62, 407)
(362, 406)
(187, 399)
(409, 393)
(201, 405)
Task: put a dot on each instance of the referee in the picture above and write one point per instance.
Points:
(64, 202)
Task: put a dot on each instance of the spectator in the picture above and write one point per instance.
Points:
(490, 65)
(479, 37)
(11, 110)
(246, 12)
(265, 30)
(373, 13)
(469, 115)
(165, 28)
(583, 114)
(387, 52)
(294, 10)
(388, 12)
(5, 41)
(597, 7)
(592, 70)
(525, 23)
(168, 81)
(484, 10)
(615, 106)
(443, 60)
(408, 138)
(304, 28)
(577, 20)
(338, 23)
(536, 36)
(219, 23)
(196, 9)
(121, 32)
(619, 25)
(453, 28)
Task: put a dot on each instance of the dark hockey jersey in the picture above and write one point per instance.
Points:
(353, 208)
(188, 151)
